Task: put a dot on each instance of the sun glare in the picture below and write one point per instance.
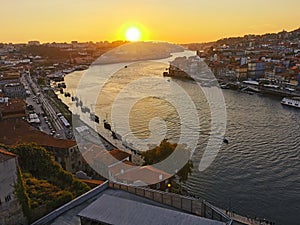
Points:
(133, 34)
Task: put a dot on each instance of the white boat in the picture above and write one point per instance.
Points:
(294, 102)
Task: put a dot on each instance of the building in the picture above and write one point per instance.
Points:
(10, 209)
(65, 152)
(256, 69)
(99, 159)
(241, 72)
(11, 108)
(110, 209)
(33, 43)
(114, 203)
(14, 90)
(9, 77)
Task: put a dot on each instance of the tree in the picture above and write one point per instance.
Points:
(159, 153)
(42, 181)
(163, 151)
(37, 161)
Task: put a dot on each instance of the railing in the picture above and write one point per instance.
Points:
(191, 205)
(214, 213)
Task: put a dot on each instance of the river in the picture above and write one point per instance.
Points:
(256, 174)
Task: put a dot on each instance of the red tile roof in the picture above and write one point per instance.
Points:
(94, 153)
(14, 108)
(149, 175)
(17, 131)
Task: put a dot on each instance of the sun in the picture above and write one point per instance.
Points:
(133, 34)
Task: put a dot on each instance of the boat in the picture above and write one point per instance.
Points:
(293, 102)
(224, 86)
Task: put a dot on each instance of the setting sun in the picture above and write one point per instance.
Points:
(133, 34)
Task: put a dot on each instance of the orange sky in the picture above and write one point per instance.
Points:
(179, 21)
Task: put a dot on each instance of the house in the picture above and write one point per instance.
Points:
(65, 152)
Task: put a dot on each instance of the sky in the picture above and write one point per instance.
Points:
(178, 21)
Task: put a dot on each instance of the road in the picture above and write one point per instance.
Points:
(50, 122)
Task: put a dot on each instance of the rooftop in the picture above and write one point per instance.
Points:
(111, 209)
(12, 108)
(17, 131)
(121, 204)
(148, 174)
(94, 152)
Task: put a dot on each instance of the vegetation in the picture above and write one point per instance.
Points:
(41, 81)
(21, 193)
(163, 151)
(42, 182)
(42, 193)
(45, 168)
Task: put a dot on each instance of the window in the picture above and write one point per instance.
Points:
(7, 198)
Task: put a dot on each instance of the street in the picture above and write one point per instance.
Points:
(50, 122)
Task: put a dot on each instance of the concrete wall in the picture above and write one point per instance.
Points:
(8, 177)
(10, 210)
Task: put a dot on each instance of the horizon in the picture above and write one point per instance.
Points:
(89, 20)
(111, 41)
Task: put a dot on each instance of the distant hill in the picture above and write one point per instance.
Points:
(292, 36)
(139, 51)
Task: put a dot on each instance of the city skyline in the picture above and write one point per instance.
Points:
(178, 22)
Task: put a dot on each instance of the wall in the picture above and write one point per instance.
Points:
(10, 210)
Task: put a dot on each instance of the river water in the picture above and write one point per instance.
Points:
(256, 174)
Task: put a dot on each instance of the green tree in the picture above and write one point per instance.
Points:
(37, 161)
(163, 151)
(159, 153)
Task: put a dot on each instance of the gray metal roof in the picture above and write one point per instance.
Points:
(115, 210)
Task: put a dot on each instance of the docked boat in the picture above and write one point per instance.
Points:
(293, 102)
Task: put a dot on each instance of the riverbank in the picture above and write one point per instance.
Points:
(266, 89)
